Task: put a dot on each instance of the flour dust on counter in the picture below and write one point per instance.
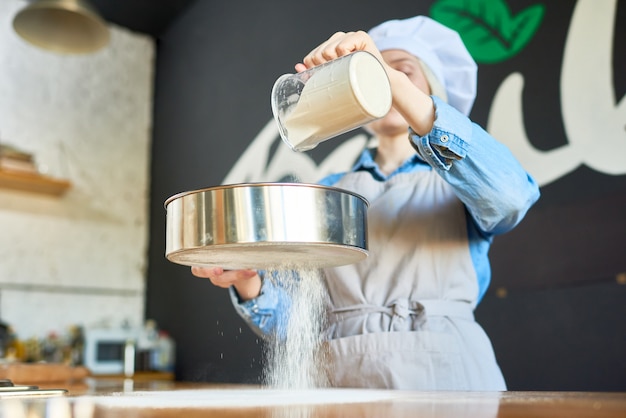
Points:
(295, 360)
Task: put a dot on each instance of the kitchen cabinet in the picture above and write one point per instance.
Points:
(36, 183)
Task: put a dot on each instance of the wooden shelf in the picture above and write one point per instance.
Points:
(35, 183)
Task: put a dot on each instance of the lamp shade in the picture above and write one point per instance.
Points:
(64, 26)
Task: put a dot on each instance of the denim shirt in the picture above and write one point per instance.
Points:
(496, 191)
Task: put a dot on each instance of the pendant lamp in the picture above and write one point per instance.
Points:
(63, 26)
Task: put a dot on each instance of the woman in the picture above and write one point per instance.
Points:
(440, 188)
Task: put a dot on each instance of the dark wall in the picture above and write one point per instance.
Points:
(555, 309)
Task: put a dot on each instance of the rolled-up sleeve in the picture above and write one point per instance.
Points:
(485, 175)
(265, 313)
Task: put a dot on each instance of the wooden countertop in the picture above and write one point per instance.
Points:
(105, 398)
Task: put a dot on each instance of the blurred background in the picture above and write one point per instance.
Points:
(176, 97)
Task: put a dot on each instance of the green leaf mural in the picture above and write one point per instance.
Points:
(490, 32)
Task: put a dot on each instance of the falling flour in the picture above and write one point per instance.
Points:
(296, 361)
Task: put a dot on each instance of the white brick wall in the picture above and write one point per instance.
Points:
(80, 258)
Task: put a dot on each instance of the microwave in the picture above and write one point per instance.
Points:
(106, 349)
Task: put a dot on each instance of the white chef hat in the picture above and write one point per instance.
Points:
(440, 49)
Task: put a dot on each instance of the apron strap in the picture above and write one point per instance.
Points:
(403, 308)
(450, 308)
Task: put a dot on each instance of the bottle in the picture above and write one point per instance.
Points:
(129, 358)
(77, 345)
(146, 344)
(165, 353)
(15, 350)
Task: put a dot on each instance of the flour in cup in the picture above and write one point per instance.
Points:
(337, 97)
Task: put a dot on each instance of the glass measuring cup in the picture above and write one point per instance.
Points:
(330, 99)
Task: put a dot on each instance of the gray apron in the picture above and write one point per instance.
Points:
(403, 317)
